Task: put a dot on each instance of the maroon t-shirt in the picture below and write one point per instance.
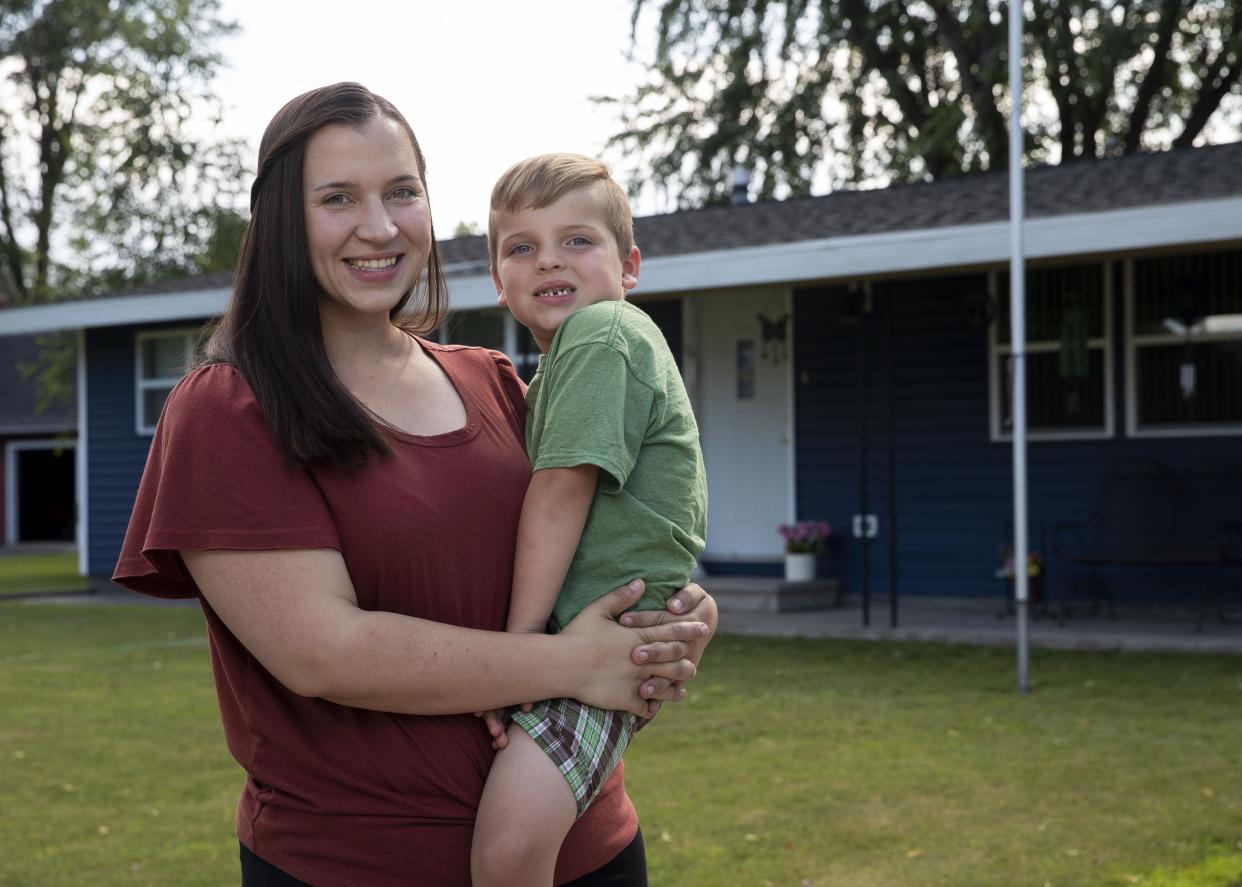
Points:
(336, 795)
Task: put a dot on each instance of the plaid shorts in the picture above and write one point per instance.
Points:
(584, 742)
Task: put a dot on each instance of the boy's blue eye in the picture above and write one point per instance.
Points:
(579, 240)
(520, 249)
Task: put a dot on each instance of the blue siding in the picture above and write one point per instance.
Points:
(954, 486)
(116, 453)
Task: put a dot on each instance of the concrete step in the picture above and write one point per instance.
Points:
(766, 594)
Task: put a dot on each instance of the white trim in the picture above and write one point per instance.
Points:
(511, 338)
(691, 360)
(1132, 343)
(142, 384)
(11, 449)
(1102, 343)
(994, 421)
(923, 249)
(81, 487)
(791, 460)
(120, 311)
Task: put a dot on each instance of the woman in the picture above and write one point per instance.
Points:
(343, 497)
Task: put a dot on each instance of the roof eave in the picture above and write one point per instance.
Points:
(923, 249)
(1202, 222)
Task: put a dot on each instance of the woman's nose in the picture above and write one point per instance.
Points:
(376, 224)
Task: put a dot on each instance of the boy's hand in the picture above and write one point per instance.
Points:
(690, 603)
(497, 723)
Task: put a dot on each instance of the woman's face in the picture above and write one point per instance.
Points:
(367, 220)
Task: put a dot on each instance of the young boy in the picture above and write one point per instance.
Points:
(618, 489)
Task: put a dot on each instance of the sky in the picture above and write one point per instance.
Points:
(484, 83)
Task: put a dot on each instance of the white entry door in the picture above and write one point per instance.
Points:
(746, 423)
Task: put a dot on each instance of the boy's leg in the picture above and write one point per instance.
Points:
(526, 810)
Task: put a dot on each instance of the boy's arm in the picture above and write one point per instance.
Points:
(553, 515)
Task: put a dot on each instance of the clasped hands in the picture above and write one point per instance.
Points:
(670, 643)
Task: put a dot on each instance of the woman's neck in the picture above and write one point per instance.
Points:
(362, 352)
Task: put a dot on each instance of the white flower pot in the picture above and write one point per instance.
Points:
(799, 567)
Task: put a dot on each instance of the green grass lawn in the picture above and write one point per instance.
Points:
(27, 573)
(795, 762)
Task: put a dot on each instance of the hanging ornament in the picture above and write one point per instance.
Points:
(773, 339)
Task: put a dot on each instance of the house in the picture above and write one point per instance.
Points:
(847, 358)
(37, 484)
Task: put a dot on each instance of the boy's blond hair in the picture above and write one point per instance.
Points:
(541, 181)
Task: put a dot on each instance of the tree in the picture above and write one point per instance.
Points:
(807, 92)
(110, 172)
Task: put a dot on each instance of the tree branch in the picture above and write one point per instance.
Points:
(12, 250)
(1223, 73)
(1057, 41)
(991, 123)
(886, 63)
(1170, 13)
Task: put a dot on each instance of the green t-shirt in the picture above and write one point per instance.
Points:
(608, 393)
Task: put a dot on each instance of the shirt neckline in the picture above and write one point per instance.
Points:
(448, 438)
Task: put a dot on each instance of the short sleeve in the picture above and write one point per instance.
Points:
(514, 387)
(214, 479)
(597, 413)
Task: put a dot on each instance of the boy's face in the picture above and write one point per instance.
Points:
(552, 261)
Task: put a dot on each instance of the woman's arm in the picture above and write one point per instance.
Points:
(306, 628)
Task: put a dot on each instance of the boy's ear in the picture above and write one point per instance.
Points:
(500, 290)
(629, 268)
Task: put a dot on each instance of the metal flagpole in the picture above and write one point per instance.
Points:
(1017, 334)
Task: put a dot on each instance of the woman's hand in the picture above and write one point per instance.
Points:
(613, 668)
(691, 603)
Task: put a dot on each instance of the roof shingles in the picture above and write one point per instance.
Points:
(1081, 186)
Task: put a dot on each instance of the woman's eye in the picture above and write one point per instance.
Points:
(336, 199)
(404, 194)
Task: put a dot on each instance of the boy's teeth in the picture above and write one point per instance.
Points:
(559, 291)
(374, 264)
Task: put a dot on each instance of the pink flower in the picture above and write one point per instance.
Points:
(805, 537)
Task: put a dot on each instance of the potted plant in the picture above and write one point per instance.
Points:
(804, 540)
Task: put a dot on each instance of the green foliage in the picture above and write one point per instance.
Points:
(869, 91)
(53, 371)
(794, 762)
(111, 172)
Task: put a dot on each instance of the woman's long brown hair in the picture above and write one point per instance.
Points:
(270, 330)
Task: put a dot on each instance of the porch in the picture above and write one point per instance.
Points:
(982, 621)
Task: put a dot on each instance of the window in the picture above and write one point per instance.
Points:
(1184, 344)
(1068, 354)
(162, 358)
(493, 328)
(484, 327)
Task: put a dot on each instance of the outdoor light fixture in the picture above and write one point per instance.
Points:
(1187, 303)
(1187, 328)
